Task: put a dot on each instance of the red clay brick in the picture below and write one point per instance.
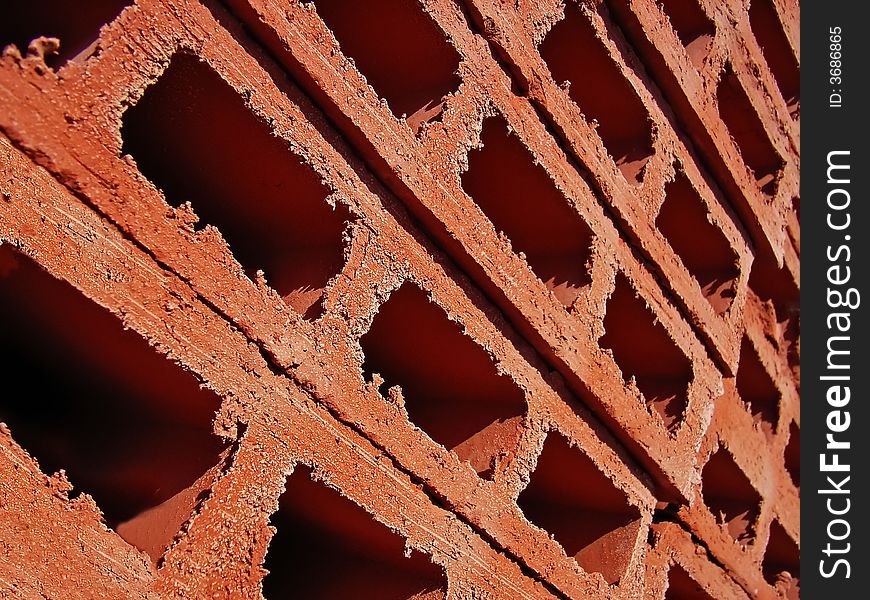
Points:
(480, 299)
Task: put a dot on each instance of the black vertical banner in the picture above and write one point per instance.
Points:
(835, 423)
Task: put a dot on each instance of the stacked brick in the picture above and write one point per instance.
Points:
(394, 299)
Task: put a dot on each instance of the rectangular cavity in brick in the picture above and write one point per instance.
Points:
(768, 32)
(645, 352)
(730, 496)
(747, 131)
(574, 54)
(685, 222)
(781, 563)
(681, 586)
(448, 383)
(400, 51)
(775, 284)
(692, 25)
(130, 427)
(757, 388)
(75, 24)
(521, 200)
(193, 137)
(571, 498)
(793, 454)
(326, 546)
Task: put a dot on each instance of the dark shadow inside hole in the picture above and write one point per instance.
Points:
(642, 349)
(729, 495)
(400, 50)
(75, 24)
(590, 517)
(681, 586)
(748, 132)
(702, 247)
(692, 26)
(130, 427)
(769, 33)
(193, 137)
(757, 388)
(450, 384)
(521, 200)
(781, 563)
(793, 454)
(326, 547)
(574, 53)
(775, 284)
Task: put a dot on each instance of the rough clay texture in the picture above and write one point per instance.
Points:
(400, 299)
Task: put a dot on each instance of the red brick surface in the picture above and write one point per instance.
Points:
(394, 299)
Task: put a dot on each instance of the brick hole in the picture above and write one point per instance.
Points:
(521, 200)
(76, 24)
(774, 284)
(748, 133)
(692, 26)
(703, 248)
(757, 388)
(570, 498)
(730, 496)
(450, 385)
(400, 50)
(681, 586)
(130, 427)
(781, 562)
(574, 54)
(193, 137)
(793, 454)
(327, 547)
(643, 350)
(777, 51)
